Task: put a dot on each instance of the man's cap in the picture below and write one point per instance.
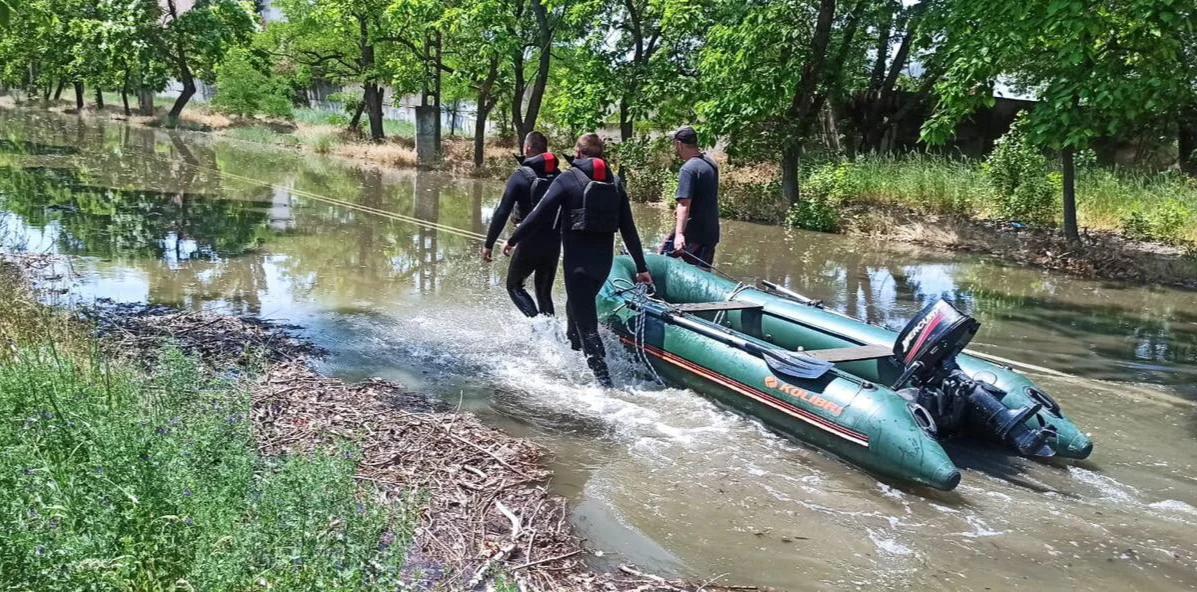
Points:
(686, 135)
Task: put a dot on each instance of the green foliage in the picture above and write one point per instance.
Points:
(922, 182)
(825, 191)
(117, 481)
(147, 477)
(244, 90)
(320, 117)
(1018, 174)
(751, 194)
(647, 165)
(1165, 222)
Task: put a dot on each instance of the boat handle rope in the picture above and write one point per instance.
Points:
(639, 297)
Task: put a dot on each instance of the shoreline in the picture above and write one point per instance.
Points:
(486, 518)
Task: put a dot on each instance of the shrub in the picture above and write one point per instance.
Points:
(1018, 175)
(647, 165)
(245, 91)
(1165, 222)
(827, 188)
(752, 194)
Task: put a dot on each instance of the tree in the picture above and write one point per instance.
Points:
(774, 66)
(479, 58)
(195, 40)
(1186, 120)
(913, 27)
(344, 42)
(243, 89)
(1097, 67)
(535, 25)
(640, 59)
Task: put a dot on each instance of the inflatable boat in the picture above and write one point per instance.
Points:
(879, 399)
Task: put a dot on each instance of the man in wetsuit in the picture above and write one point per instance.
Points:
(696, 232)
(587, 205)
(539, 253)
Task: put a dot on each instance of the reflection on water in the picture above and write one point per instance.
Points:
(658, 476)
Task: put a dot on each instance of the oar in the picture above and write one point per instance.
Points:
(780, 361)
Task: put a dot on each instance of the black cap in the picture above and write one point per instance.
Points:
(686, 135)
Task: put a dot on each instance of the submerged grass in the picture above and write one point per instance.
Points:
(114, 477)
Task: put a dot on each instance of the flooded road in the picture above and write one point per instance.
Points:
(381, 269)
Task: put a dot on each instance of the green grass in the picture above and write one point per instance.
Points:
(117, 478)
(391, 127)
(922, 182)
(1107, 199)
(262, 135)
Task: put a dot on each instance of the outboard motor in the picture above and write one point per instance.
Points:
(927, 347)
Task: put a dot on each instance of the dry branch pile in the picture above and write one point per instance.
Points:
(488, 507)
(222, 341)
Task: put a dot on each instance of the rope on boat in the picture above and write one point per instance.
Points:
(638, 295)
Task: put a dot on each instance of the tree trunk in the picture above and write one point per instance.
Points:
(125, 95)
(627, 128)
(436, 75)
(517, 96)
(373, 101)
(185, 96)
(480, 133)
(524, 120)
(184, 71)
(145, 101)
(881, 100)
(58, 90)
(791, 160)
(882, 48)
(485, 103)
(79, 96)
(99, 99)
(799, 114)
(1186, 143)
(1070, 226)
(356, 120)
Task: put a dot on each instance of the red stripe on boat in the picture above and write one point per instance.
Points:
(760, 396)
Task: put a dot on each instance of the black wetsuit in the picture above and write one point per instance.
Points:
(538, 254)
(587, 255)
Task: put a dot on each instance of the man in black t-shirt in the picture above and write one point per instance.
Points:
(696, 232)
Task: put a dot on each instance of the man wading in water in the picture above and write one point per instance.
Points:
(697, 230)
(538, 255)
(587, 205)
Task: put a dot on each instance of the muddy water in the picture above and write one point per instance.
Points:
(658, 477)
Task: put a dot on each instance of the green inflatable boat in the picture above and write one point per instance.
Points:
(879, 399)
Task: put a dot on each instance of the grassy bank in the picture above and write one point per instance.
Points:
(1159, 207)
(120, 475)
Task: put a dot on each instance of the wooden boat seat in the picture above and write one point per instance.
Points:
(722, 306)
(851, 354)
